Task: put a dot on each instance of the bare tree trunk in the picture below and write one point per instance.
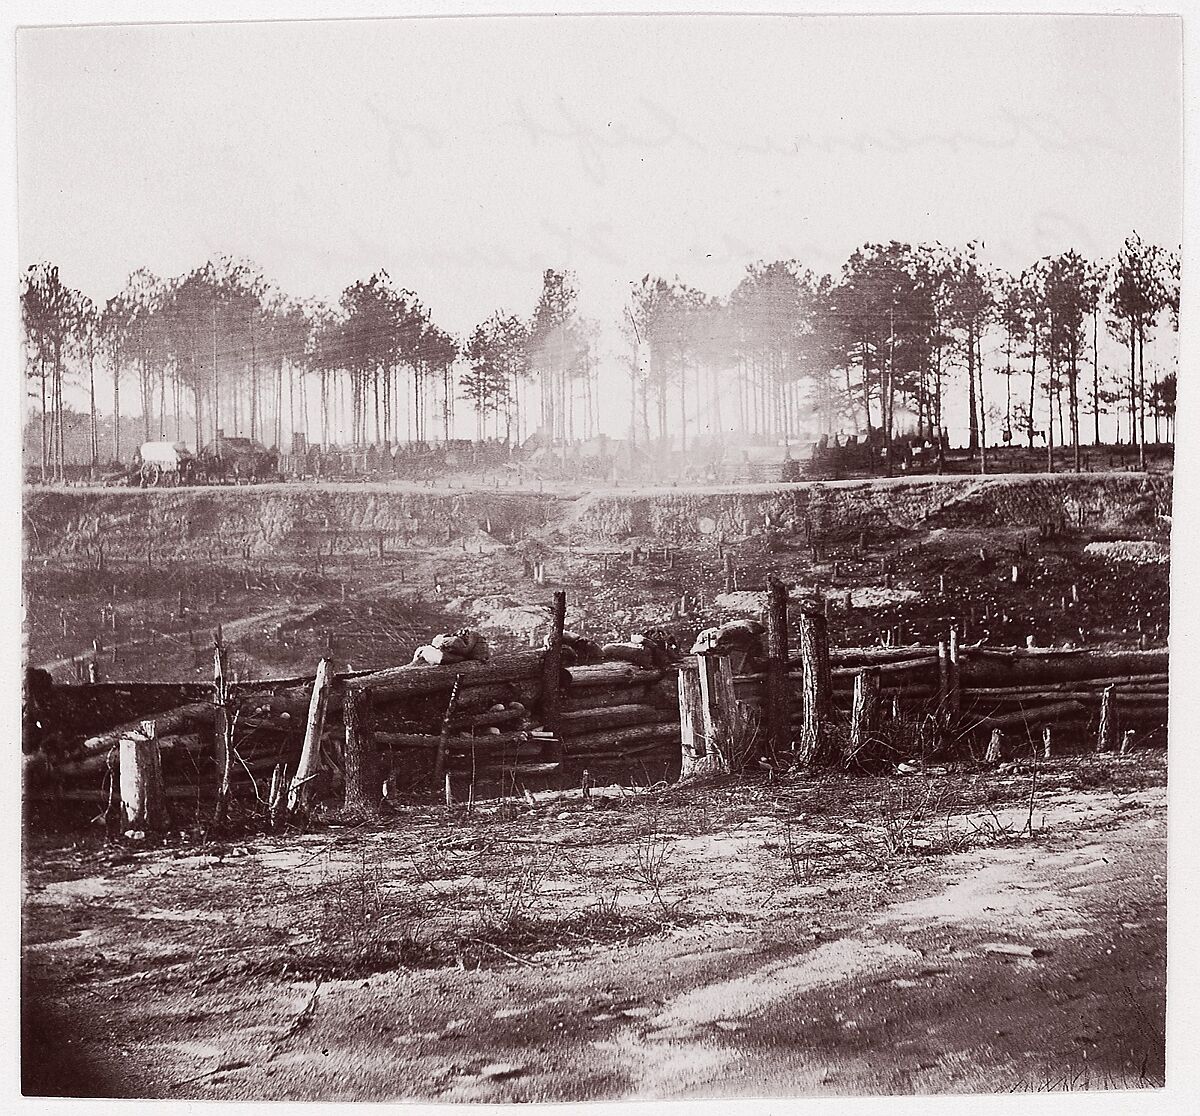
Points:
(777, 705)
(45, 423)
(143, 803)
(94, 437)
(815, 738)
(973, 431)
(364, 788)
(117, 406)
(1141, 395)
(301, 791)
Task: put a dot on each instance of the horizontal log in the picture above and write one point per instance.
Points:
(1040, 667)
(595, 698)
(1033, 715)
(490, 719)
(1089, 698)
(1131, 682)
(431, 741)
(612, 717)
(173, 721)
(612, 674)
(884, 669)
(667, 749)
(638, 734)
(417, 680)
(491, 761)
(848, 672)
(873, 656)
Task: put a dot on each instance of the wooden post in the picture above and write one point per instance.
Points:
(943, 695)
(1047, 741)
(275, 799)
(954, 704)
(1126, 742)
(300, 791)
(778, 720)
(818, 688)
(863, 709)
(364, 788)
(143, 805)
(439, 763)
(708, 712)
(691, 722)
(730, 574)
(552, 671)
(93, 671)
(1106, 730)
(719, 709)
(995, 745)
(222, 730)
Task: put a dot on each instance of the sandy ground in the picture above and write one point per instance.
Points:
(819, 935)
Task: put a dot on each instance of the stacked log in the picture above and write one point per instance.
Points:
(608, 712)
(997, 688)
(616, 711)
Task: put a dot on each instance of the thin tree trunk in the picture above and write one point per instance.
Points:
(972, 401)
(117, 406)
(95, 437)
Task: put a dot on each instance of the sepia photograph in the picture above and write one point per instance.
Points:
(595, 557)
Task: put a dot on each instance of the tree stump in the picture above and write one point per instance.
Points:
(222, 732)
(1106, 729)
(995, 747)
(300, 793)
(551, 701)
(364, 788)
(777, 704)
(708, 718)
(864, 709)
(143, 804)
(954, 690)
(817, 683)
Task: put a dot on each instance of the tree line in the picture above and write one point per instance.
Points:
(892, 334)
(890, 329)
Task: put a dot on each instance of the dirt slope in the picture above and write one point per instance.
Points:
(287, 520)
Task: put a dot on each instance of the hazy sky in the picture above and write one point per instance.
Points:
(466, 155)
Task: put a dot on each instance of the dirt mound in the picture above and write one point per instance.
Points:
(749, 603)
(1130, 550)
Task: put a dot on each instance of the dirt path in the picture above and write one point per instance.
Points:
(1014, 964)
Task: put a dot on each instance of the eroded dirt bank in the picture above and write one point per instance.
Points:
(274, 521)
